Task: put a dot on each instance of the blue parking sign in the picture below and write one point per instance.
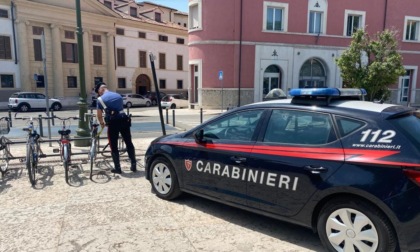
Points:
(220, 75)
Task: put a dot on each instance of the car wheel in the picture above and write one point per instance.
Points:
(128, 105)
(154, 102)
(56, 106)
(349, 224)
(164, 179)
(173, 106)
(148, 104)
(24, 107)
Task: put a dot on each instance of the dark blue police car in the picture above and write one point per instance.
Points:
(325, 159)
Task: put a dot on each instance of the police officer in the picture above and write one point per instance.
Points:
(110, 111)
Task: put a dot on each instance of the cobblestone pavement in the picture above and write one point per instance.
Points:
(119, 213)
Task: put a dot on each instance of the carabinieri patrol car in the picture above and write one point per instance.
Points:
(325, 159)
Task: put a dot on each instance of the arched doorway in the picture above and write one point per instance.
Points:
(142, 84)
(271, 79)
(312, 74)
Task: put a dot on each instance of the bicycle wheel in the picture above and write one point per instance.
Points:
(92, 154)
(5, 155)
(31, 164)
(66, 161)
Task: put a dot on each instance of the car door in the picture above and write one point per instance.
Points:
(40, 101)
(217, 164)
(293, 158)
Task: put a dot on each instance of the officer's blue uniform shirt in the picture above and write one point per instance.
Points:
(112, 100)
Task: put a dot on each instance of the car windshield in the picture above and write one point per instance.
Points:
(409, 125)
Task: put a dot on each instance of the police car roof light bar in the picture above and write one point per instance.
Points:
(323, 96)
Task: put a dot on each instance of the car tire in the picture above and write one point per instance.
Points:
(173, 106)
(56, 106)
(164, 179)
(24, 107)
(154, 102)
(128, 105)
(148, 104)
(337, 232)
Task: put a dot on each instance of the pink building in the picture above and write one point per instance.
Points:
(241, 49)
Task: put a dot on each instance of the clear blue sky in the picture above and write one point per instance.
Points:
(181, 5)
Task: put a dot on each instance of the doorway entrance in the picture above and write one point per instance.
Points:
(142, 84)
(271, 79)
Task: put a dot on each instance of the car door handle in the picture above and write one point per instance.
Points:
(238, 160)
(315, 169)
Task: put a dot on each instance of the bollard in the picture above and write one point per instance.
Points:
(52, 117)
(201, 115)
(167, 116)
(173, 117)
(10, 118)
(41, 131)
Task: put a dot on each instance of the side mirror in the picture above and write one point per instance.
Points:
(199, 136)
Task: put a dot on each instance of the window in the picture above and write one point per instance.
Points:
(120, 31)
(162, 83)
(69, 52)
(37, 50)
(36, 30)
(299, 127)
(133, 11)
(142, 35)
(120, 57)
(237, 127)
(163, 38)
(180, 41)
(142, 59)
(194, 16)
(179, 63)
(69, 34)
(347, 125)
(412, 29)
(312, 74)
(108, 4)
(5, 48)
(71, 81)
(354, 20)
(96, 38)
(275, 16)
(158, 17)
(162, 61)
(315, 22)
(405, 82)
(4, 13)
(121, 83)
(179, 84)
(7, 81)
(97, 55)
(40, 81)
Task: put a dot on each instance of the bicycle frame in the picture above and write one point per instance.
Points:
(4, 146)
(94, 144)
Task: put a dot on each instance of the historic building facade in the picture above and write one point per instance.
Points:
(109, 56)
(245, 49)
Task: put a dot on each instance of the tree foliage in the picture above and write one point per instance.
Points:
(372, 64)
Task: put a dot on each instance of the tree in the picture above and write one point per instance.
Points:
(372, 64)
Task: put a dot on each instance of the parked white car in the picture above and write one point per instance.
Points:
(131, 100)
(26, 101)
(174, 101)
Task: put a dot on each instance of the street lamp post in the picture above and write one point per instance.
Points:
(83, 130)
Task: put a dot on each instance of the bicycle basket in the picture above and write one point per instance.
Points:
(4, 127)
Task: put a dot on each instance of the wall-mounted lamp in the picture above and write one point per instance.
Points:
(332, 55)
(317, 5)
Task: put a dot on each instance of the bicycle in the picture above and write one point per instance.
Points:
(33, 149)
(5, 145)
(65, 144)
(94, 144)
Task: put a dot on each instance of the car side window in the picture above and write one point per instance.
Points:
(238, 126)
(299, 127)
(348, 125)
(40, 96)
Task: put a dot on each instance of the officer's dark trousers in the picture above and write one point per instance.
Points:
(116, 126)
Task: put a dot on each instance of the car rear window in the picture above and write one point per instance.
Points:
(409, 125)
(14, 96)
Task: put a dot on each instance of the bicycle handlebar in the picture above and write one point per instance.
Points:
(4, 118)
(66, 118)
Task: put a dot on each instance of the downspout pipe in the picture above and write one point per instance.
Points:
(240, 56)
(12, 7)
(385, 16)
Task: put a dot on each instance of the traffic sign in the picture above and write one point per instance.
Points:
(220, 75)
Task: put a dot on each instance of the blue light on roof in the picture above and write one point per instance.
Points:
(327, 92)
